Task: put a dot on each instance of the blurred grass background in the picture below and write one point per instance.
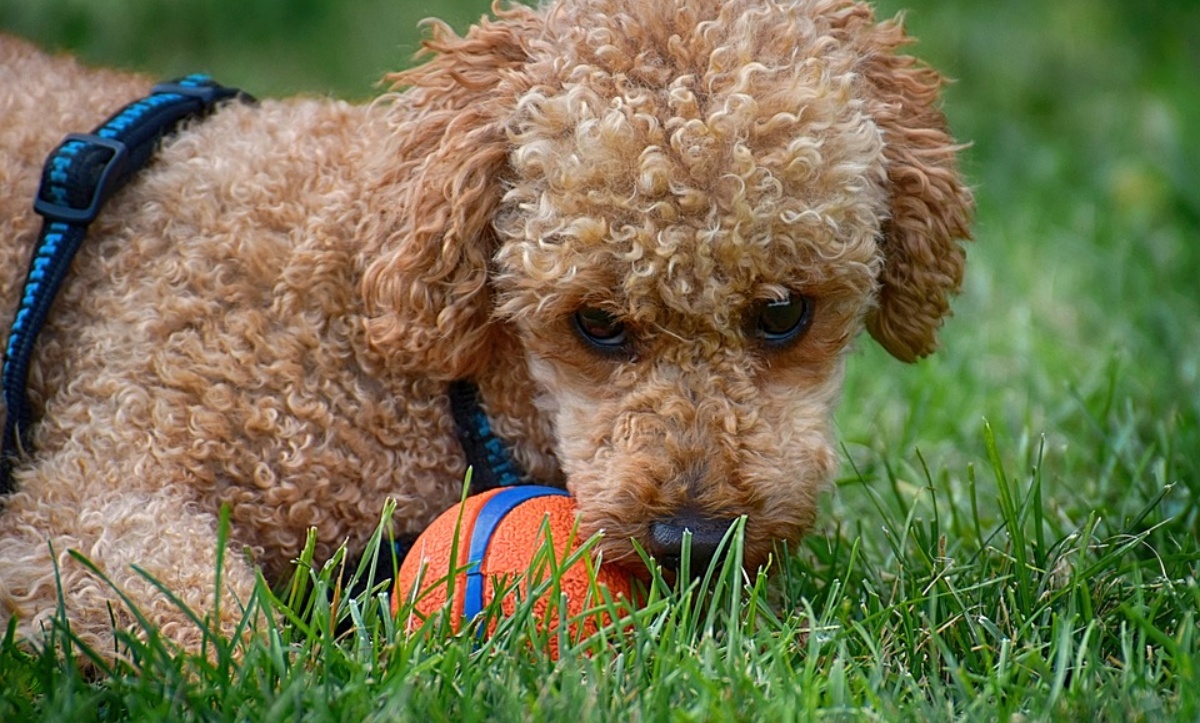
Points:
(1078, 331)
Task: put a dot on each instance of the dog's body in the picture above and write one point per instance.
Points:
(646, 231)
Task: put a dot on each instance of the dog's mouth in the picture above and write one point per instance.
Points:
(682, 545)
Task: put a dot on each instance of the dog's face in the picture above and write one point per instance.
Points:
(686, 261)
(697, 205)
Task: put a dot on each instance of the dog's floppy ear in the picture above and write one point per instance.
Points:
(425, 285)
(930, 205)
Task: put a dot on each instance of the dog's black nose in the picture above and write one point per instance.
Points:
(666, 541)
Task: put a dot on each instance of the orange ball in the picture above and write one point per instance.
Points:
(500, 534)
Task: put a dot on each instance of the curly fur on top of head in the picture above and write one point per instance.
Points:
(690, 167)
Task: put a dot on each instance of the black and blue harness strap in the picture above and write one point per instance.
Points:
(79, 176)
(491, 463)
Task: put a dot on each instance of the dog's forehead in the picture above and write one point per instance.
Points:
(697, 215)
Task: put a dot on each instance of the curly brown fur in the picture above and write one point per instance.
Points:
(268, 317)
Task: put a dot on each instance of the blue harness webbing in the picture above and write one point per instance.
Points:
(79, 176)
(491, 463)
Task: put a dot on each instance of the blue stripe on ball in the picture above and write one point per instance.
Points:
(490, 515)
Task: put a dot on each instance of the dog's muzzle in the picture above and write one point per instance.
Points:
(667, 541)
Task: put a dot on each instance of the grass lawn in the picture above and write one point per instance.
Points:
(1014, 534)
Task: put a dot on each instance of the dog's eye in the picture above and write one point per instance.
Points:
(600, 328)
(779, 322)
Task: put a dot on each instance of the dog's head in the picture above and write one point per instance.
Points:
(683, 212)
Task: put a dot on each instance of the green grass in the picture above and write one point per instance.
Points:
(1015, 531)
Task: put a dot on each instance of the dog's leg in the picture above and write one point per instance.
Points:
(116, 525)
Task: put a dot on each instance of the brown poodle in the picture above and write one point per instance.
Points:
(646, 231)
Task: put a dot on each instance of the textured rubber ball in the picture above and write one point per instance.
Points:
(500, 533)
